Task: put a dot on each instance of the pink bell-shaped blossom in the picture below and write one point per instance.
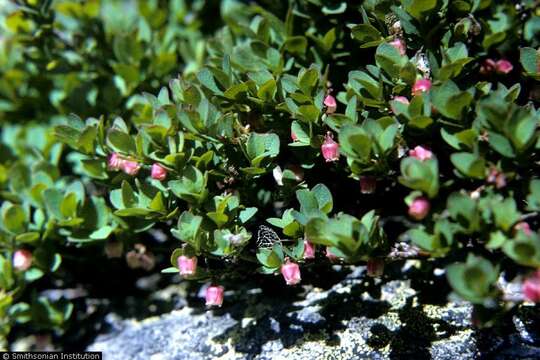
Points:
(503, 66)
(22, 260)
(531, 288)
(368, 184)
(419, 208)
(375, 267)
(131, 167)
(309, 250)
(115, 161)
(400, 46)
(330, 103)
(158, 172)
(421, 153)
(420, 86)
(330, 148)
(291, 273)
(214, 295)
(187, 265)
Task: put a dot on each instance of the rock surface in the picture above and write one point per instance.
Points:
(357, 318)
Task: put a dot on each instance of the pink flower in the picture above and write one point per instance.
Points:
(158, 172)
(131, 167)
(419, 208)
(523, 226)
(22, 260)
(214, 295)
(503, 66)
(368, 184)
(293, 136)
(115, 161)
(421, 153)
(420, 86)
(330, 148)
(187, 265)
(331, 255)
(330, 103)
(531, 288)
(291, 273)
(399, 44)
(375, 267)
(309, 250)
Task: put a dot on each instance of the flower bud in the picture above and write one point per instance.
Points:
(131, 167)
(291, 273)
(22, 260)
(523, 226)
(375, 267)
(214, 295)
(187, 265)
(115, 162)
(309, 250)
(158, 172)
(399, 44)
(503, 67)
(330, 148)
(330, 255)
(419, 208)
(421, 153)
(330, 103)
(368, 184)
(531, 288)
(420, 86)
(293, 136)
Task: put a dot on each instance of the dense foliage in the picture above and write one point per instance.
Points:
(369, 132)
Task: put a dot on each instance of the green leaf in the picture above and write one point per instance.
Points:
(419, 8)
(267, 91)
(367, 34)
(530, 60)
(14, 219)
(450, 101)
(121, 142)
(324, 198)
(469, 164)
(355, 143)
(389, 59)
(247, 214)
(501, 144)
(307, 79)
(533, 199)
(505, 213)
(296, 45)
(207, 79)
(309, 112)
(424, 240)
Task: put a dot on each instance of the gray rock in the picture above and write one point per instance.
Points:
(357, 318)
